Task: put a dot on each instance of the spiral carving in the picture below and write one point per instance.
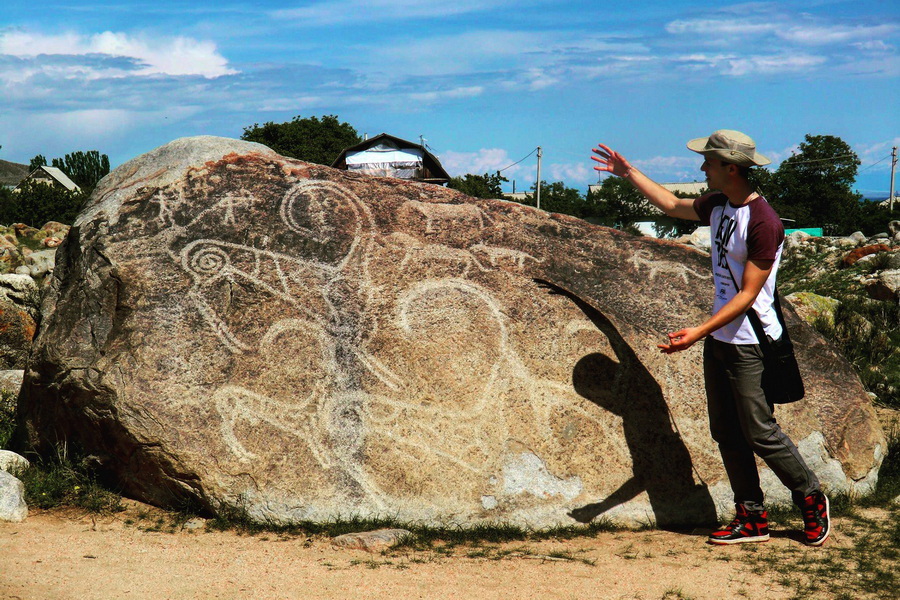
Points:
(209, 261)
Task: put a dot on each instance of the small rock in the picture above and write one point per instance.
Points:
(885, 287)
(701, 238)
(858, 237)
(23, 230)
(12, 499)
(51, 242)
(194, 524)
(56, 229)
(23, 270)
(894, 261)
(40, 263)
(812, 306)
(853, 257)
(371, 541)
(17, 287)
(12, 463)
(894, 228)
(796, 239)
(11, 381)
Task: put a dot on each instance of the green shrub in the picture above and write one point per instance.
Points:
(7, 417)
(867, 333)
(67, 481)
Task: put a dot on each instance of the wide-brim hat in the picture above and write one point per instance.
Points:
(731, 146)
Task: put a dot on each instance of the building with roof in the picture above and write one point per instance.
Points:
(52, 176)
(389, 156)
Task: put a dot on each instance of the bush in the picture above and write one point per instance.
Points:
(7, 417)
(867, 333)
(37, 203)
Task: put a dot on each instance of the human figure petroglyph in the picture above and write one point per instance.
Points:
(641, 259)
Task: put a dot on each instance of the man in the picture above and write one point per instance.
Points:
(746, 238)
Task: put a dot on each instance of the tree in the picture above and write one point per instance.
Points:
(84, 168)
(35, 203)
(618, 204)
(556, 197)
(310, 139)
(813, 187)
(479, 186)
(38, 161)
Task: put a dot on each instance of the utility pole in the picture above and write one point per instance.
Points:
(893, 168)
(540, 154)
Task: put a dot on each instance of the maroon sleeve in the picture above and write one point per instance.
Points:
(705, 204)
(765, 233)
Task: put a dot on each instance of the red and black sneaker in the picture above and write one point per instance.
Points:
(816, 520)
(746, 526)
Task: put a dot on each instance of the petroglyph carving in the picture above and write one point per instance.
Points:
(439, 217)
(642, 260)
(499, 256)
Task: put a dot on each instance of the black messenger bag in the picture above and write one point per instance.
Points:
(781, 379)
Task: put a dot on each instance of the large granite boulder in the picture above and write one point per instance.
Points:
(228, 327)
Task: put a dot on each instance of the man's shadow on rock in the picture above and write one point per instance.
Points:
(661, 463)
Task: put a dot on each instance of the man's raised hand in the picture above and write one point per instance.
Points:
(610, 161)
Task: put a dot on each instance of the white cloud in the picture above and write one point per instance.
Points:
(876, 157)
(876, 46)
(770, 65)
(573, 173)
(672, 168)
(485, 160)
(437, 95)
(725, 26)
(154, 56)
(835, 34)
(726, 29)
(366, 11)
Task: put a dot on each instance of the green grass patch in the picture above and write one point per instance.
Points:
(422, 536)
(67, 481)
(864, 569)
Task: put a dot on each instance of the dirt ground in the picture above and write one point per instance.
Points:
(67, 554)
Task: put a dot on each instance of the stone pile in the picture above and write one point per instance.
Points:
(879, 255)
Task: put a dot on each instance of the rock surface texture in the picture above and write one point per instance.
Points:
(12, 499)
(229, 327)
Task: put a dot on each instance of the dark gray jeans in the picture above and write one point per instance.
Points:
(742, 422)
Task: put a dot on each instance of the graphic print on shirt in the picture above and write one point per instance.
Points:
(726, 229)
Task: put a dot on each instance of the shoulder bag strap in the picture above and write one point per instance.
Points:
(755, 321)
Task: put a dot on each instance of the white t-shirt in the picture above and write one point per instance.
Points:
(739, 234)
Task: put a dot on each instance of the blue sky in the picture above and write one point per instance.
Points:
(484, 82)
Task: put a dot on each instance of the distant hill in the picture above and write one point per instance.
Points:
(12, 173)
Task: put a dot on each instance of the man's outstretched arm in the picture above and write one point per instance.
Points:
(611, 161)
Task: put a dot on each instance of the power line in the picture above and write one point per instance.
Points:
(803, 162)
(875, 163)
(517, 162)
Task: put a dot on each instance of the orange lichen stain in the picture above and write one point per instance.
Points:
(293, 171)
(233, 158)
